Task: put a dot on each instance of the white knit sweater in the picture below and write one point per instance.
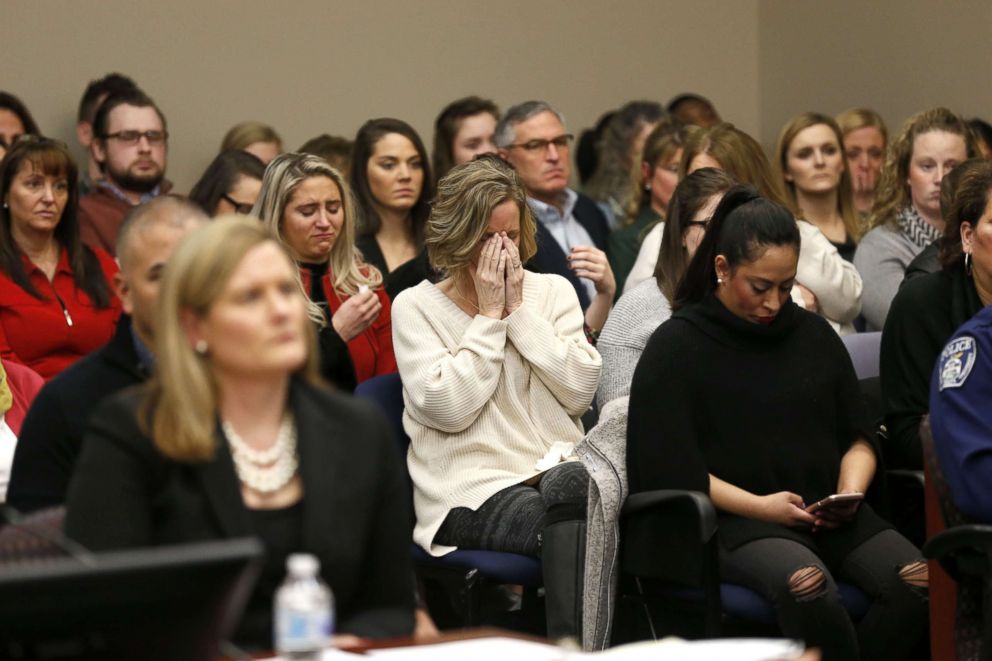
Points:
(484, 398)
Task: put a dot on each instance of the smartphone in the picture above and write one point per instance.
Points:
(835, 500)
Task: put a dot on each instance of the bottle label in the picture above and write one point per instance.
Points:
(301, 631)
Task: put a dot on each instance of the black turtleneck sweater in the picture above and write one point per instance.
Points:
(765, 408)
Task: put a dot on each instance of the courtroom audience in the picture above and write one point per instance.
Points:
(94, 95)
(130, 142)
(926, 310)
(392, 184)
(19, 385)
(906, 216)
(621, 147)
(53, 430)
(809, 159)
(334, 149)
(865, 141)
(572, 231)
(464, 129)
(693, 426)
(258, 139)
(651, 192)
(826, 283)
(230, 184)
(496, 372)
(234, 437)
(308, 206)
(56, 304)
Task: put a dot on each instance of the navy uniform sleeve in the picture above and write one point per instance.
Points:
(961, 418)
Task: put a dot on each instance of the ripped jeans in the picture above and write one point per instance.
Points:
(887, 567)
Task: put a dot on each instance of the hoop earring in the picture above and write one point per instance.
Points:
(967, 263)
(201, 347)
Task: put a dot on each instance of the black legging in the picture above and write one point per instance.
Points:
(883, 567)
(511, 520)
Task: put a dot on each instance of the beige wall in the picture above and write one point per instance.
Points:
(896, 56)
(316, 66)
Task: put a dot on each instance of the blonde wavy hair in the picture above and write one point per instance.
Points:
(282, 177)
(466, 197)
(845, 197)
(892, 193)
(180, 413)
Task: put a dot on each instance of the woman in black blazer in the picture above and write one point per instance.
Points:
(232, 437)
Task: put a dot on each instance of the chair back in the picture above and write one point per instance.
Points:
(955, 609)
(864, 349)
(386, 390)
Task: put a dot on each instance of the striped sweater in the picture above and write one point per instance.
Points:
(485, 399)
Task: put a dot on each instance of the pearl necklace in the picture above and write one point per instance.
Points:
(264, 471)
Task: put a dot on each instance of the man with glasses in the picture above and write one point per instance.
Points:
(93, 96)
(571, 230)
(130, 144)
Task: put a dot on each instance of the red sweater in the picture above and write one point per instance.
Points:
(43, 335)
(371, 351)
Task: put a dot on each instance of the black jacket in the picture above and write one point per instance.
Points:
(550, 258)
(126, 494)
(52, 434)
(924, 314)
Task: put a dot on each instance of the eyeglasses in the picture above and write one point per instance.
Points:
(536, 146)
(133, 137)
(244, 208)
(698, 223)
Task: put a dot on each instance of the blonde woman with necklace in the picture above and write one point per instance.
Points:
(235, 437)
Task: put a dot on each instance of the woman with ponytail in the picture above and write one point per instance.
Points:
(747, 397)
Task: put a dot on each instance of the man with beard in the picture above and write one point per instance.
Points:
(130, 144)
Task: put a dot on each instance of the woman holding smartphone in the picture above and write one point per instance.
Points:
(795, 433)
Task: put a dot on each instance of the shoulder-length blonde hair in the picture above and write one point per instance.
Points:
(739, 155)
(282, 177)
(892, 193)
(845, 197)
(466, 197)
(180, 413)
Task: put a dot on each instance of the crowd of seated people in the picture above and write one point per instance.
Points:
(179, 368)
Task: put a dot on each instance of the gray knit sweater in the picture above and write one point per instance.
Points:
(633, 319)
(882, 257)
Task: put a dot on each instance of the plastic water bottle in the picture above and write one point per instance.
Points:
(304, 612)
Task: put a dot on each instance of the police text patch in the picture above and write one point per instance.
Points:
(956, 362)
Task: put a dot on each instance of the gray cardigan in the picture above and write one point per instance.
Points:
(604, 451)
(882, 257)
(631, 323)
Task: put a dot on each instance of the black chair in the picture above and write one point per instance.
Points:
(669, 571)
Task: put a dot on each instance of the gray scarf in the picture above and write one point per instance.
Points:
(919, 231)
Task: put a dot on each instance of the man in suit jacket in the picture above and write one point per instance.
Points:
(52, 434)
(571, 230)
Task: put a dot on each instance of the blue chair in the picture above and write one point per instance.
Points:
(463, 572)
(864, 349)
(669, 571)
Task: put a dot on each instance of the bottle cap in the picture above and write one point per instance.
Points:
(303, 564)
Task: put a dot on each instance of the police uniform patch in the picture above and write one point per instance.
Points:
(956, 362)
